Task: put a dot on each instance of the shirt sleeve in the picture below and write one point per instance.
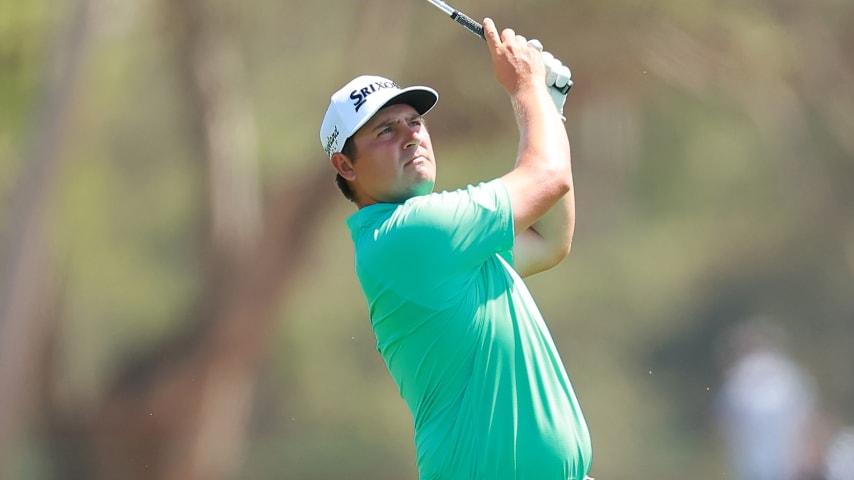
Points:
(458, 230)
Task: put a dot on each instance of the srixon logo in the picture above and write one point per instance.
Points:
(359, 97)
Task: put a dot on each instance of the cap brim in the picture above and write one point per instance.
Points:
(422, 99)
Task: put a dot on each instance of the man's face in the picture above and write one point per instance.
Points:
(394, 159)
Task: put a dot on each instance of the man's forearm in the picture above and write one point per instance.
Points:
(543, 166)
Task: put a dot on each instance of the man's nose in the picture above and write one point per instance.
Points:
(414, 139)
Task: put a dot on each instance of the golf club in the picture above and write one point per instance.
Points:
(460, 17)
(471, 25)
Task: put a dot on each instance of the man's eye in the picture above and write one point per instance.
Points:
(385, 130)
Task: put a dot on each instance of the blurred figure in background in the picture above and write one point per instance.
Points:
(839, 461)
(766, 407)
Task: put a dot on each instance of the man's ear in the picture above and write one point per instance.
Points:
(343, 165)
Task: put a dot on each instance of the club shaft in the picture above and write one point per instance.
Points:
(470, 24)
(443, 6)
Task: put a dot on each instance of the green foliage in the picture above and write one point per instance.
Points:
(24, 29)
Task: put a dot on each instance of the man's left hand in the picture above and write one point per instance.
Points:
(558, 77)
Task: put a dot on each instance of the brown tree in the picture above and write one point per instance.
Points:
(25, 322)
(181, 410)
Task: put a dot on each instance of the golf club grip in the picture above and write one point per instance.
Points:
(471, 25)
(476, 28)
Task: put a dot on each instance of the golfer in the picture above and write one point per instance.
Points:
(442, 272)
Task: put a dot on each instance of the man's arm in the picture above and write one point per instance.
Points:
(548, 241)
(540, 186)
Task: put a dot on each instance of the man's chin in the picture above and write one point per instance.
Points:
(423, 188)
(420, 189)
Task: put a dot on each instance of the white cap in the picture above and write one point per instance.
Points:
(355, 103)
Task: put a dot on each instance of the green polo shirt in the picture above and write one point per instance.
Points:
(464, 340)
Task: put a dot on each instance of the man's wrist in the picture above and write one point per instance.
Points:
(526, 86)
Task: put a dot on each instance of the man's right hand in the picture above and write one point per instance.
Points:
(517, 64)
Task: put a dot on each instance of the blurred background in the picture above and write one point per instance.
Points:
(177, 295)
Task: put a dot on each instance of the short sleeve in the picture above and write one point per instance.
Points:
(459, 229)
(429, 249)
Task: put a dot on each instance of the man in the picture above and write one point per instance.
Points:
(441, 272)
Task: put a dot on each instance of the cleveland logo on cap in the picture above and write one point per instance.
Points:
(361, 96)
(331, 141)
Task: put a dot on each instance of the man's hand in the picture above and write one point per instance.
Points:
(558, 77)
(518, 66)
(559, 80)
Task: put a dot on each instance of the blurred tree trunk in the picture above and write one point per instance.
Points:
(28, 280)
(181, 411)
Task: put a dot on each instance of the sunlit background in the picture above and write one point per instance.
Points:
(177, 295)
